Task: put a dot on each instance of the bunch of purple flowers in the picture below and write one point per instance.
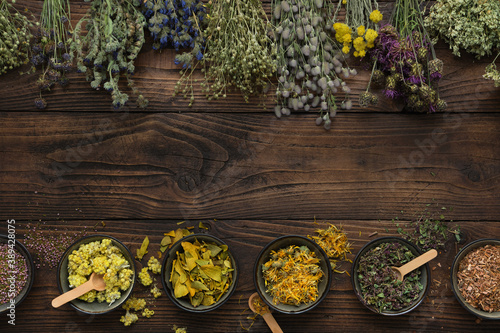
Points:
(178, 24)
(405, 64)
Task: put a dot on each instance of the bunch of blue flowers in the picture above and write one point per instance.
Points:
(178, 24)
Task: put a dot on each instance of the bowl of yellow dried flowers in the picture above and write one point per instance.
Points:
(292, 274)
(199, 273)
(475, 277)
(103, 255)
(17, 273)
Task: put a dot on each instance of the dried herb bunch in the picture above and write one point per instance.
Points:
(479, 277)
(360, 27)
(178, 24)
(492, 73)
(292, 275)
(309, 61)
(469, 25)
(239, 52)
(405, 62)
(50, 48)
(108, 45)
(379, 285)
(15, 37)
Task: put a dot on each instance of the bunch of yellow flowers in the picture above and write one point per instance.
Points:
(364, 39)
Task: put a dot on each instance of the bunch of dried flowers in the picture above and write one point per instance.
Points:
(405, 62)
(360, 28)
(15, 37)
(470, 25)
(309, 61)
(177, 23)
(50, 49)
(108, 45)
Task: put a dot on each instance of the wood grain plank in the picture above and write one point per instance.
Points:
(193, 165)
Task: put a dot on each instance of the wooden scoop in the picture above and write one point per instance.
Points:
(414, 264)
(95, 282)
(265, 313)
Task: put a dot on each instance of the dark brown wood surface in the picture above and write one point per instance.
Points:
(251, 178)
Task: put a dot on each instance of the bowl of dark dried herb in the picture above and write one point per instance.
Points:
(17, 273)
(199, 273)
(292, 274)
(376, 285)
(475, 277)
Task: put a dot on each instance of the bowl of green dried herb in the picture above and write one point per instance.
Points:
(376, 285)
(475, 278)
(199, 273)
(17, 273)
(292, 274)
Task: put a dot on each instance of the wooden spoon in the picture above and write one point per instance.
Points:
(265, 313)
(95, 282)
(414, 264)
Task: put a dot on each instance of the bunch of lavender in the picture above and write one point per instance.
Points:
(492, 73)
(405, 62)
(308, 59)
(177, 23)
(50, 47)
(109, 45)
(15, 37)
(239, 52)
(469, 25)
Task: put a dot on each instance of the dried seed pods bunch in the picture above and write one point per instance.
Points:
(468, 25)
(108, 45)
(15, 37)
(239, 51)
(309, 62)
(177, 23)
(50, 48)
(405, 63)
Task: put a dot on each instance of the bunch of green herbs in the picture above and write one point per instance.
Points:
(15, 37)
(106, 42)
(310, 63)
(50, 48)
(239, 53)
(470, 25)
(492, 73)
(380, 288)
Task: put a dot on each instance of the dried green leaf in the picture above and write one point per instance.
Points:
(144, 248)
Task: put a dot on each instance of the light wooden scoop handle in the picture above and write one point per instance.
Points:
(417, 262)
(72, 294)
(271, 322)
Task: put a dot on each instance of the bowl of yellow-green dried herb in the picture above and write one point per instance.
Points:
(292, 274)
(17, 273)
(475, 278)
(377, 286)
(199, 273)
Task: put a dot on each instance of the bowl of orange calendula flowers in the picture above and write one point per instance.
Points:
(292, 274)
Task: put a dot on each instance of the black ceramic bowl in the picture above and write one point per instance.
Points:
(284, 242)
(4, 239)
(166, 269)
(94, 307)
(425, 278)
(454, 280)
